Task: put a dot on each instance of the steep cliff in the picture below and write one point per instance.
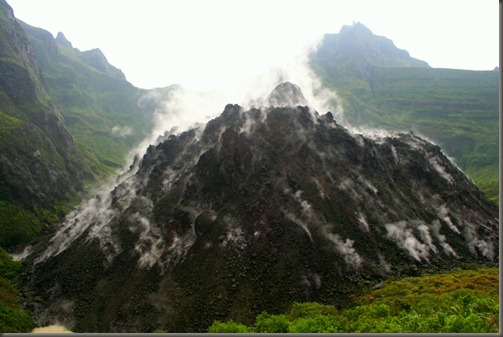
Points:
(39, 161)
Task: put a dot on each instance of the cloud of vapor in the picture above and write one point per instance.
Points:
(151, 242)
(235, 236)
(297, 221)
(345, 248)
(437, 165)
(435, 226)
(443, 214)
(297, 71)
(121, 131)
(179, 107)
(484, 247)
(403, 235)
(176, 109)
(92, 216)
(305, 208)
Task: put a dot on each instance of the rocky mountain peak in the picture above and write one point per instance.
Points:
(287, 94)
(357, 28)
(97, 60)
(253, 211)
(62, 40)
(355, 50)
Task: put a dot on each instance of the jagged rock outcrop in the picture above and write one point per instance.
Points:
(62, 40)
(251, 212)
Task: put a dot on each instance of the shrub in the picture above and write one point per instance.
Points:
(14, 320)
(9, 268)
(299, 310)
(428, 304)
(317, 323)
(230, 326)
(271, 323)
(17, 225)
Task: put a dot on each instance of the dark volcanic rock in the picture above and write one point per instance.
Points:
(254, 211)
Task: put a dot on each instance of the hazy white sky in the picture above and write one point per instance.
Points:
(219, 42)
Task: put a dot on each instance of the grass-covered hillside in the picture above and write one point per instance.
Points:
(459, 301)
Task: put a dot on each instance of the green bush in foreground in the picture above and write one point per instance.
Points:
(229, 326)
(12, 317)
(461, 301)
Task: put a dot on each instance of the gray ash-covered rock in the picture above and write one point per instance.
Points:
(253, 211)
(287, 94)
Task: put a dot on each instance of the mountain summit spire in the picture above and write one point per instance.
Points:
(62, 40)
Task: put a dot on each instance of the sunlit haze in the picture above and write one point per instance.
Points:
(223, 43)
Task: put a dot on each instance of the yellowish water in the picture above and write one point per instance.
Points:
(51, 329)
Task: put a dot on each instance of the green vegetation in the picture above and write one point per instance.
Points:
(459, 301)
(20, 226)
(17, 225)
(12, 317)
